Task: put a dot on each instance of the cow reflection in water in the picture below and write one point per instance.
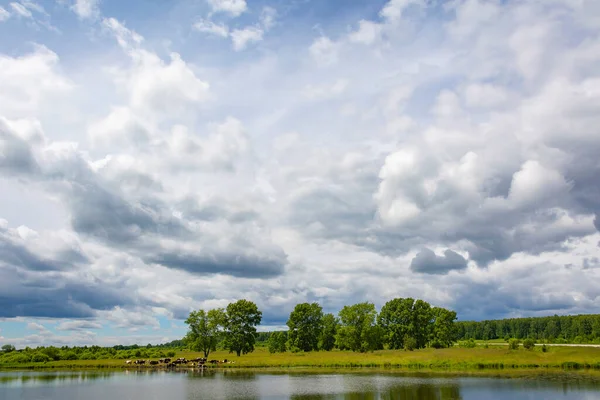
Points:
(419, 392)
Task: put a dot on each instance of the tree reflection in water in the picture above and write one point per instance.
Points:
(414, 392)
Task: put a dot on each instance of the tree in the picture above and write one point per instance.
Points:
(330, 326)
(240, 326)
(8, 348)
(397, 321)
(357, 331)
(443, 331)
(205, 330)
(277, 342)
(305, 326)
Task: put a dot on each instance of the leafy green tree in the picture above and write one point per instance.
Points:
(242, 317)
(305, 326)
(277, 342)
(422, 323)
(357, 331)
(397, 321)
(205, 330)
(327, 338)
(8, 348)
(513, 344)
(443, 330)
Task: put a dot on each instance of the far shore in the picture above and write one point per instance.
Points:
(493, 358)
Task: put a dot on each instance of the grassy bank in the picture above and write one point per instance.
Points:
(452, 359)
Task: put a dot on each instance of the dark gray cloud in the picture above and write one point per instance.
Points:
(16, 156)
(427, 262)
(239, 265)
(13, 252)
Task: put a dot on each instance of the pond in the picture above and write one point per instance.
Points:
(293, 385)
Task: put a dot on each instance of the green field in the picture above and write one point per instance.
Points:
(452, 359)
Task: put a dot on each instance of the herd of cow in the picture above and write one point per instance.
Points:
(167, 362)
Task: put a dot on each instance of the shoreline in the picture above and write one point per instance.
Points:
(493, 358)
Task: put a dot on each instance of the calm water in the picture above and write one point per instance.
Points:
(244, 385)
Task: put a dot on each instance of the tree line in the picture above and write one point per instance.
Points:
(556, 329)
(402, 323)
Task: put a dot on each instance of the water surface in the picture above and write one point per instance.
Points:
(266, 385)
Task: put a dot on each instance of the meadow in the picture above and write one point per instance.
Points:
(450, 359)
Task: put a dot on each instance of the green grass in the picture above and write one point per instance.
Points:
(452, 359)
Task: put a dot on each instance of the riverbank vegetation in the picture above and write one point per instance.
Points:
(449, 359)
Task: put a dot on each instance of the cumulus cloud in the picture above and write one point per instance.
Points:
(232, 7)
(86, 9)
(242, 37)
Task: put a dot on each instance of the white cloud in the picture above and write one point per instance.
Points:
(212, 28)
(324, 51)
(242, 37)
(125, 37)
(28, 80)
(21, 10)
(235, 8)
(393, 9)
(325, 91)
(4, 15)
(267, 17)
(367, 32)
(86, 9)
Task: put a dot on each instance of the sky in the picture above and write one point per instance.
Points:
(158, 157)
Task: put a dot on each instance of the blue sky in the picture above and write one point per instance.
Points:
(157, 157)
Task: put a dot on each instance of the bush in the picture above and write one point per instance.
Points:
(544, 348)
(277, 342)
(410, 343)
(69, 356)
(513, 344)
(170, 353)
(40, 357)
(468, 344)
(437, 345)
(529, 344)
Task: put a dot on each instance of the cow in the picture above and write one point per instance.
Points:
(167, 360)
(153, 362)
(128, 362)
(213, 361)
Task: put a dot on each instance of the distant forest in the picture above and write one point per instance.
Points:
(556, 329)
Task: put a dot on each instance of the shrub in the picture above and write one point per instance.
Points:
(436, 344)
(40, 357)
(513, 344)
(69, 356)
(277, 342)
(170, 353)
(529, 344)
(468, 344)
(410, 343)
(544, 348)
